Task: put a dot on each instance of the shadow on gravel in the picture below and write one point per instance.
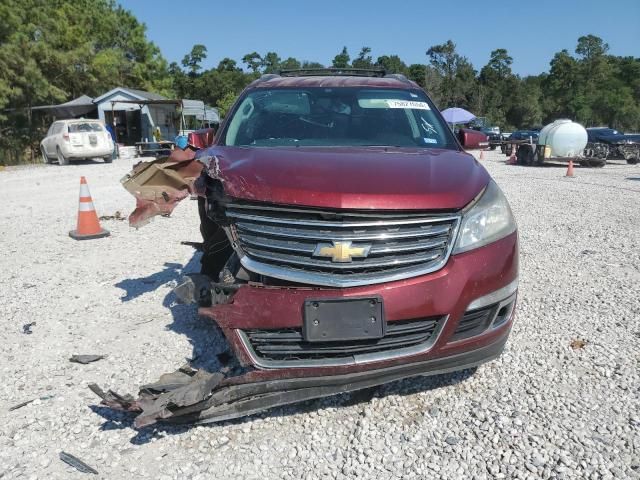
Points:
(207, 341)
(134, 287)
(637, 179)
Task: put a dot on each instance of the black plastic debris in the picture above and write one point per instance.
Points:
(199, 397)
(199, 246)
(76, 463)
(20, 405)
(26, 328)
(24, 404)
(172, 393)
(84, 359)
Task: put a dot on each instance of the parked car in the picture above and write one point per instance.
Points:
(68, 140)
(472, 139)
(349, 240)
(620, 146)
(493, 135)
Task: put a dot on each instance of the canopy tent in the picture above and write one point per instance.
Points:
(198, 109)
(188, 108)
(457, 115)
(73, 108)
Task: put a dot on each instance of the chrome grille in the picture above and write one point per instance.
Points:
(287, 348)
(282, 242)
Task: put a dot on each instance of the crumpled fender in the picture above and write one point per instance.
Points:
(160, 184)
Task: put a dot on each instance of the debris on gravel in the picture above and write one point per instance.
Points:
(76, 463)
(85, 359)
(544, 409)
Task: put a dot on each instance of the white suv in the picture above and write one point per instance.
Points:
(76, 139)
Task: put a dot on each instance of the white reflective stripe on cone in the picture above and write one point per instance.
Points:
(86, 207)
(84, 190)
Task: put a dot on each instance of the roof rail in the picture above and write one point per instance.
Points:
(334, 72)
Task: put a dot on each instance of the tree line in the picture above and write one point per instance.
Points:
(53, 51)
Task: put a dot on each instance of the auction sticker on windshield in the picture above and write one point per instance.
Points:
(408, 104)
(392, 103)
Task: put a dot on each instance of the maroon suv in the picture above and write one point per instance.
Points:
(349, 238)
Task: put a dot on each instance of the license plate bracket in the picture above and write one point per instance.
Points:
(339, 319)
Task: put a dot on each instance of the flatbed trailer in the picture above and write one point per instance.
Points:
(529, 152)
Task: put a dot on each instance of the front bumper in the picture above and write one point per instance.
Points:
(468, 283)
(447, 293)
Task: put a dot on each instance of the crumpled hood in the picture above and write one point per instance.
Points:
(354, 178)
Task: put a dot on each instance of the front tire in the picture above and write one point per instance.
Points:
(108, 159)
(62, 160)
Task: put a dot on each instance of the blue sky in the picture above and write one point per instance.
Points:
(531, 31)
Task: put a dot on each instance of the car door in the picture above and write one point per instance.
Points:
(55, 138)
(46, 141)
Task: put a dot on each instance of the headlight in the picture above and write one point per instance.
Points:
(490, 219)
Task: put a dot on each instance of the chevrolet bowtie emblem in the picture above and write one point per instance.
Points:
(342, 252)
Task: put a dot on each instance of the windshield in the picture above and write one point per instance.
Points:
(85, 127)
(344, 116)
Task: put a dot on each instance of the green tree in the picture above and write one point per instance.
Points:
(453, 77)
(392, 64)
(363, 60)
(226, 102)
(192, 60)
(496, 84)
(418, 73)
(253, 61)
(290, 64)
(342, 59)
(311, 65)
(271, 63)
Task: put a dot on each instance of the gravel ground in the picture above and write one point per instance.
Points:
(562, 402)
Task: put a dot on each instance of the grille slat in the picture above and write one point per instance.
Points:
(325, 234)
(309, 247)
(298, 244)
(289, 344)
(326, 223)
(355, 265)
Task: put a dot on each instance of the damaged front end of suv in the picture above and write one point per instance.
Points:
(349, 241)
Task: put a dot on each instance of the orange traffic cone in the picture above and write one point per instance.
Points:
(512, 159)
(570, 169)
(481, 154)
(88, 223)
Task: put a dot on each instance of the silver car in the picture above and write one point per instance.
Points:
(76, 140)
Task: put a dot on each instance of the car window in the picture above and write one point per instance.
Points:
(85, 127)
(57, 128)
(342, 116)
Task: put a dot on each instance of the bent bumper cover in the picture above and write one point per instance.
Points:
(234, 397)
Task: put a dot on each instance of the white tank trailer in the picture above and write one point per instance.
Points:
(560, 141)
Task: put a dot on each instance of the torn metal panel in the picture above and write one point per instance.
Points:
(159, 185)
